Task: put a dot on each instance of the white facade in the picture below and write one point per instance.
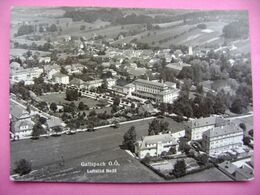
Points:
(26, 75)
(111, 82)
(155, 145)
(221, 139)
(196, 127)
(61, 78)
(93, 84)
(153, 90)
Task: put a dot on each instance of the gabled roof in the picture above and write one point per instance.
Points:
(223, 130)
(53, 122)
(154, 139)
(202, 122)
(17, 111)
(23, 123)
(59, 75)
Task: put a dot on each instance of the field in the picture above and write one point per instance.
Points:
(59, 98)
(20, 52)
(212, 174)
(100, 146)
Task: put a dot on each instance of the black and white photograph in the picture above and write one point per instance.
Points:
(130, 95)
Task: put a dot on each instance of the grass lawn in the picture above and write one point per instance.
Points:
(99, 146)
(60, 99)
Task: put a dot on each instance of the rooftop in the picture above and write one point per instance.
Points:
(223, 130)
(154, 139)
(150, 82)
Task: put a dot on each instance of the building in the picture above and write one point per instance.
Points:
(238, 170)
(61, 78)
(155, 91)
(93, 84)
(45, 60)
(222, 139)
(77, 82)
(177, 67)
(50, 70)
(20, 120)
(23, 128)
(155, 145)
(196, 127)
(110, 82)
(27, 75)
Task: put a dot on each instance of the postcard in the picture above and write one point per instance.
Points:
(129, 95)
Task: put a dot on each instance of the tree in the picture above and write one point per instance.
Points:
(42, 120)
(53, 107)
(57, 129)
(203, 159)
(242, 126)
(172, 150)
(81, 106)
(63, 70)
(246, 140)
(179, 168)
(237, 106)
(154, 127)
(72, 94)
(37, 130)
(41, 29)
(23, 167)
(130, 139)
(53, 28)
(116, 101)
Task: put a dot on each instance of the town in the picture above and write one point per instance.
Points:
(167, 97)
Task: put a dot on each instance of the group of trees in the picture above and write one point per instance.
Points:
(129, 139)
(236, 30)
(72, 94)
(26, 29)
(157, 126)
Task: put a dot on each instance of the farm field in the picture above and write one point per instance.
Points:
(59, 98)
(101, 145)
(20, 52)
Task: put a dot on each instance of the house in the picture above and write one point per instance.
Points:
(77, 82)
(155, 145)
(27, 75)
(23, 128)
(45, 60)
(147, 108)
(110, 82)
(60, 78)
(17, 112)
(93, 84)
(196, 127)
(222, 139)
(238, 170)
(50, 70)
(15, 66)
(54, 122)
(177, 67)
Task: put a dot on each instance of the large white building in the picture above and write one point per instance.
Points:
(93, 84)
(155, 145)
(61, 78)
(221, 139)
(155, 91)
(27, 75)
(196, 127)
